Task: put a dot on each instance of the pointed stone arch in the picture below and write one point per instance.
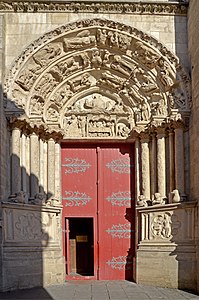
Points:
(96, 78)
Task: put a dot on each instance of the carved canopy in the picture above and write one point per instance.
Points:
(96, 79)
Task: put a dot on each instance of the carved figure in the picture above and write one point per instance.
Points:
(53, 202)
(62, 96)
(161, 225)
(122, 130)
(101, 127)
(121, 65)
(146, 55)
(164, 74)
(68, 66)
(82, 82)
(52, 114)
(142, 202)
(144, 111)
(47, 54)
(166, 230)
(174, 196)
(101, 36)
(19, 197)
(106, 58)
(39, 199)
(82, 39)
(157, 199)
(36, 105)
(46, 84)
(113, 81)
(96, 59)
(160, 108)
(82, 125)
(113, 38)
(124, 41)
(71, 126)
(85, 59)
(28, 76)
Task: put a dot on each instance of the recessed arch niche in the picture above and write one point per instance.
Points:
(96, 68)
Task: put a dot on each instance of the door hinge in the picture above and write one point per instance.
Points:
(98, 149)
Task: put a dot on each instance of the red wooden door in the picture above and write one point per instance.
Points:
(97, 182)
(115, 204)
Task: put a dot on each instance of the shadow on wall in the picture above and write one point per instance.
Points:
(30, 225)
(182, 233)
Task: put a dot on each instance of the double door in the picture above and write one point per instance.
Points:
(98, 211)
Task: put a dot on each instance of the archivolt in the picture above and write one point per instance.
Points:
(96, 78)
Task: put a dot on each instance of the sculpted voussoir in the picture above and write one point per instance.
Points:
(81, 57)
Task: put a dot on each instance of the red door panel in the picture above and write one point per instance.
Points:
(79, 178)
(115, 202)
(79, 190)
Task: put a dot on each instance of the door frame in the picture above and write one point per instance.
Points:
(96, 144)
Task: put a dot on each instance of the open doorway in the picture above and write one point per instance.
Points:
(80, 246)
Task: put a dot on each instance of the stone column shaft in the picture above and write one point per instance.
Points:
(153, 165)
(23, 163)
(15, 161)
(171, 162)
(28, 165)
(179, 160)
(137, 168)
(34, 165)
(145, 172)
(161, 164)
(51, 168)
(57, 171)
(41, 166)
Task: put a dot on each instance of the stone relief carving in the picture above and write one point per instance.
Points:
(47, 54)
(19, 197)
(98, 116)
(36, 105)
(161, 226)
(128, 66)
(141, 8)
(174, 196)
(29, 227)
(165, 74)
(52, 114)
(82, 39)
(147, 56)
(82, 82)
(157, 199)
(164, 225)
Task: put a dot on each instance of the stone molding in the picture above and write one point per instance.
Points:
(168, 224)
(95, 7)
(26, 224)
(96, 78)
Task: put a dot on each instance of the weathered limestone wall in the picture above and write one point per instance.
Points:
(193, 27)
(32, 246)
(23, 28)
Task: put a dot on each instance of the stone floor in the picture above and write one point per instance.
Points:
(99, 290)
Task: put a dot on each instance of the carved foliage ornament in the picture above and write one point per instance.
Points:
(123, 7)
(96, 78)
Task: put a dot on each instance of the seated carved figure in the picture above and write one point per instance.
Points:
(157, 199)
(142, 201)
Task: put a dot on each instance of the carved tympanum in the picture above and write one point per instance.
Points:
(96, 78)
